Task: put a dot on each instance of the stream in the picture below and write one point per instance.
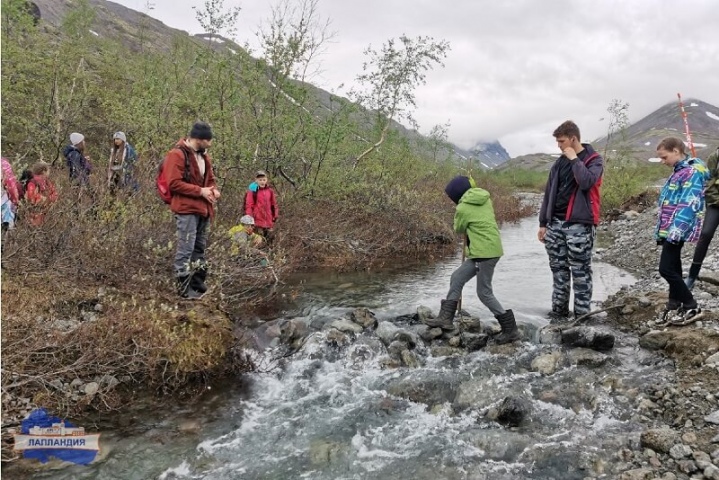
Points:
(338, 413)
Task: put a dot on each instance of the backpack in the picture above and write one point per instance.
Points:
(163, 187)
(25, 179)
(244, 201)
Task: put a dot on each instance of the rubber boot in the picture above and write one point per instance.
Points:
(445, 317)
(509, 331)
(198, 281)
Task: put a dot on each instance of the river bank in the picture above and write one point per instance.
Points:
(681, 412)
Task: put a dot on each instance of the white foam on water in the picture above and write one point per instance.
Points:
(181, 470)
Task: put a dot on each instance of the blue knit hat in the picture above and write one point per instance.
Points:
(458, 186)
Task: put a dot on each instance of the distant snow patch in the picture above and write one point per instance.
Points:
(700, 145)
(648, 143)
(694, 105)
(97, 35)
(712, 116)
(485, 165)
(233, 52)
(655, 160)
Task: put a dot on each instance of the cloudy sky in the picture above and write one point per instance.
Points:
(517, 68)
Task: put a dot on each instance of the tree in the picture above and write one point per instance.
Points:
(390, 77)
(216, 20)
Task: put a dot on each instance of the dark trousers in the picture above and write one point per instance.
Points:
(709, 228)
(670, 268)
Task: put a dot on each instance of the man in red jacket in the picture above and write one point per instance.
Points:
(261, 204)
(194, 194)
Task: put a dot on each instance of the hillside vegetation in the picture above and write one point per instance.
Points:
(89, 294)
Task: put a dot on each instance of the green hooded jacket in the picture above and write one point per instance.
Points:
(474, 217)
(711, 194)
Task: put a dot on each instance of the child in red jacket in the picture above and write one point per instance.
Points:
(261, 204)
(40, 194)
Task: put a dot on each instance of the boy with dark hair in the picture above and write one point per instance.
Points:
(474, 217)
(568, 219)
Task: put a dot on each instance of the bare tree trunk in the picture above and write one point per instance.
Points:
(374, 147)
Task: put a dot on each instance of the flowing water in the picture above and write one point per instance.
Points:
(336, 413)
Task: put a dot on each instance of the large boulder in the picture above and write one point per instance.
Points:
(588, 337)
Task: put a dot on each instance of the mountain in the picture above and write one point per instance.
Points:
(138, 30)
(640, 139)
(488, 155)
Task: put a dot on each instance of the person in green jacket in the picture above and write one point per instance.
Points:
(711, 219)
(474, 217)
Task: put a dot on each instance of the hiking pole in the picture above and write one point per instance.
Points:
(686, 126)
(464, 247)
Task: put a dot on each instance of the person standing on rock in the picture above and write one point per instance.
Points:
(681, 206)
(474, 217)
(568, 219)
(193, 202)
(711, 219)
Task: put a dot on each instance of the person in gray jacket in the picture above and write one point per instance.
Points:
(568, 219)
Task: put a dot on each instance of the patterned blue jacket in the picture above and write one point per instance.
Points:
(681, 202)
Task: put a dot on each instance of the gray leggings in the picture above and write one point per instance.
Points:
(483, 268)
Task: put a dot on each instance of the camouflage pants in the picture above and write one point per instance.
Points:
(569, 246)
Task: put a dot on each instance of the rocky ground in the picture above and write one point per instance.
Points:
(681, 440)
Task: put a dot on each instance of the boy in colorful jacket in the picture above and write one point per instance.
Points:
(681, 206)
(474, 217)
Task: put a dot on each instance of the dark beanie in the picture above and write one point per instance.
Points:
(457, 187)
(201, 131)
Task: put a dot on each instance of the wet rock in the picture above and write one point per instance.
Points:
(346, 326)
(424, 387)
(546, 364)
(470, 324)
(386, 331)
(390, 362)
(425, 333)
(325, 453)
(474, 394)
(513, 411)
(587, 357)
(550, 336)
(445, 351)
(655, 340)
(473, 341)
(396, 347)
(424, 314)
(637, 474)
(407, 337)
(659, 439)
(588, 337)
(363, 317)
(91, 388)
(409, 359)
(454, 342)
(189, 425)
(337, 338)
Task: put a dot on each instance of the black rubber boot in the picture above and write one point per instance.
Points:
(693, 274)
(198, 281)
(509, 331)
(445, 317)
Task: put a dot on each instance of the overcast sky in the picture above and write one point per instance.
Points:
(517, 68)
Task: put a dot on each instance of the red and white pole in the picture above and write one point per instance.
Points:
(686, 126)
